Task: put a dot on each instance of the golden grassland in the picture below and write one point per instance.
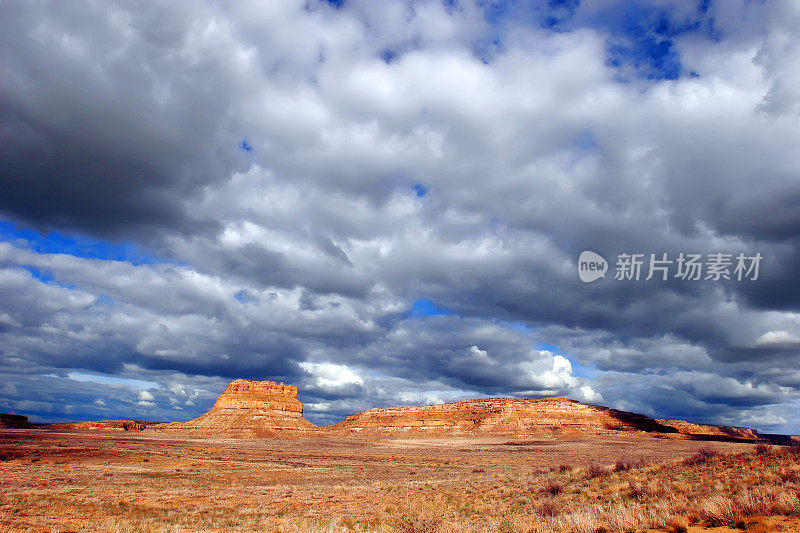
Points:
(80, 481)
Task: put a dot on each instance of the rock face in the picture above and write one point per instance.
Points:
(14, 421)
(250, 409)
(712, 432)
(104, 425)
(498, 416)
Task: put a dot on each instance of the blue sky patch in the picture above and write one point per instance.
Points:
(75, 245)
(42, 275)
(642, 37)
(420, 190)
(586, 141)
(424, 308)
(242, 297)
(388, 55)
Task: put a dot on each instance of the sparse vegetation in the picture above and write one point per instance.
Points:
(308, 485)
(703, 456)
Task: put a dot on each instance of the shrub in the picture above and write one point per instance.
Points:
(552, 488)
(762, 449)
(621, 466)
(636, 490)
(720, 511)
(596, 470)
(676, 525)
(10, 455)
(548, 507)
(791, 476)
(702, 456)
(418, 524)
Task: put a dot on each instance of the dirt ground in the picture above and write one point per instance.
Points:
(124, 481)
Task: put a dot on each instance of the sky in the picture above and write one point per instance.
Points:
(384, 203)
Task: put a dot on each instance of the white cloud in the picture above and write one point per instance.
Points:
(777, 337)
(134, 384)
(146, 396)
(528, 153)
(332, 376)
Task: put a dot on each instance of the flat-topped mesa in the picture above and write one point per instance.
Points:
(262, 396)
(249, 409)
(713, 432)
(8, 420)
(497, 416)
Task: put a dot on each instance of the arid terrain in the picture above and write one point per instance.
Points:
(56, 480)
(489, 465)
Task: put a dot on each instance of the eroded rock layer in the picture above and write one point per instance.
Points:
(14, 421)
(712, 432)
(500, 416)
(265, 409)
(249, 409)
(104, 425)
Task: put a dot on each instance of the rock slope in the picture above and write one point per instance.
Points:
(499, 416)
(14, 421)
(709, 432)
(104, 425)
(249, 409)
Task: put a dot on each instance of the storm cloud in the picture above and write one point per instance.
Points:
(384, 204)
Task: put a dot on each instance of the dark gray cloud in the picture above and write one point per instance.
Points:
(305, 174)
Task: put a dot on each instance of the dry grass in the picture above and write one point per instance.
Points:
(63, 482)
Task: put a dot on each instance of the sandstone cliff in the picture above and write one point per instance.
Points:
(14, 421)
(265, 408)
(498, 416)
(103, 425)
(711, 432)
(249, 409)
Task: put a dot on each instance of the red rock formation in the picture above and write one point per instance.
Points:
(715, 432)
(103, 425)
(265, 408)
(497, 416)
(250, 409)
(14, 421)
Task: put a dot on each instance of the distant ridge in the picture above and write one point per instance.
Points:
(255, 409)
(8, 420)
(513, 416)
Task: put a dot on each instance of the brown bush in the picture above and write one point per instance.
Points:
(548, 507)
(552, 488)
(702, 456)
(418, 524)
(10, 455)
(791, 476)
(677, 525)
(596, 470)
(637, 490)
(622, 466)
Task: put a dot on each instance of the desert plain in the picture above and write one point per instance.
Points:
(174, 478)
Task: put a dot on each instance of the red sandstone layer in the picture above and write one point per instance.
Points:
(497, 416)
(265, 408)
(249, 409)
(104, 425)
